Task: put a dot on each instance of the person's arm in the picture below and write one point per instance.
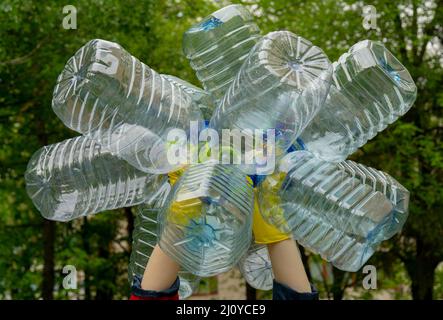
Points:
(161, 271)
(160, 280)
(290, 279)
(287, 265)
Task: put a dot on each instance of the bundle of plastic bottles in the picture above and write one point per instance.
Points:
(201, 214)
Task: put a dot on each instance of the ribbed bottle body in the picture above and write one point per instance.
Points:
(370, 90)
(342, 211)
(217, 46)
(281, 86)
(206, 224)
(78, 177)
(201, 97)
(106, 93)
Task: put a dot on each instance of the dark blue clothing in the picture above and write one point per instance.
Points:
(283, 292)
(279, 292)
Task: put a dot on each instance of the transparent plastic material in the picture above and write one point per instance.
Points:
(340, 210)
(371, 89)
(206, 223)
(218, 45)
(144, 240)
(201, 98)
(77, 177)
(281, 86)
(109, 95)
(256, 267)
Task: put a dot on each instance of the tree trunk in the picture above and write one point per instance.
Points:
(423, 280)
(87, 248)
(48, 258)
(339, 284)
(48, 231)
(421, 271)
(107, 276)
(251, 293)
(304, 259)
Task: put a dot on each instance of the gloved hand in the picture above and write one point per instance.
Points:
(182, 212)
(265, 233)
(269, 200)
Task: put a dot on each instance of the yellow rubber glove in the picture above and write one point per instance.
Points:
(175, 175)
(181, 212)
(270, 202)
(265, 233)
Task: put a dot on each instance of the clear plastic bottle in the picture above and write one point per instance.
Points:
(206, 223)
(78, 177)
(256, 267)
(201, 98)
(109, 95)
(281, 85)
(370, 90)
(144, 240)
(218, 45)
(340, 210)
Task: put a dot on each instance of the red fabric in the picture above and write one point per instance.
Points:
(134, 297)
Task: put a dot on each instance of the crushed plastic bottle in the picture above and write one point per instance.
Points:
(78, 177)
(340, 210)
(281, 86)
(256, 267)
(218, 45)
(206, 223)
(144, 240)
(112, 97)
(370, 90)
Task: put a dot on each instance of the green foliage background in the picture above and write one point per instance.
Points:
(34, 48)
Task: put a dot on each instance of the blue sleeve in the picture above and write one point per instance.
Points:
(283, 292)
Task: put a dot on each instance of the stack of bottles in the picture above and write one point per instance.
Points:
(312, 113)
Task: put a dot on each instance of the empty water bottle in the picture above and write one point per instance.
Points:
(78, 177)
(144, 240)
(340, 210)
(109, 95)
(206, 223)
(281, 85)
(370, 90)
(201, 98)
(256, 267)
(218, 45)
